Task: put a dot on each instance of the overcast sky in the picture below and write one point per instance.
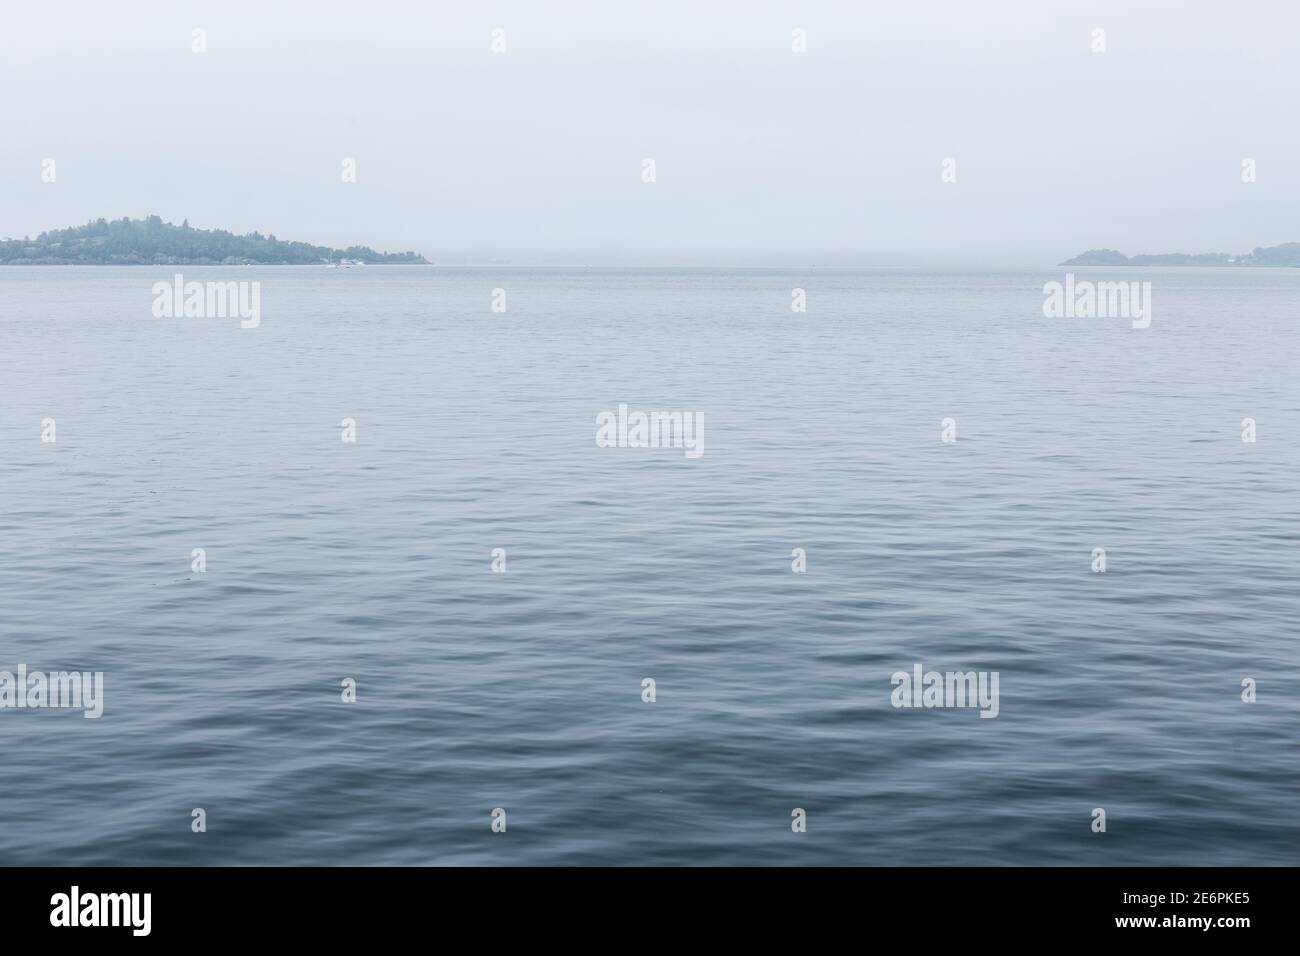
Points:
(761, 154)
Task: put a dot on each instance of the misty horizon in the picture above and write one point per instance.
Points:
(830, 260)
(764, 156)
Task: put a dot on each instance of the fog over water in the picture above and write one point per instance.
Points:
(762, 154)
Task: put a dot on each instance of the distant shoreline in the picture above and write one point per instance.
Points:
(1284, 256)
(197, 262)
(153, 242)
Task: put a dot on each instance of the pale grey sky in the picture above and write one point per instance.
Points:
(762, 154)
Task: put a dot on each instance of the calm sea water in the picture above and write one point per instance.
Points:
(522, 690)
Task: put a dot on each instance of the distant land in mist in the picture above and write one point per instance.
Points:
(150, 241)
(1287, 254)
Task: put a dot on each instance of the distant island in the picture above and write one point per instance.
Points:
(1287, 254)
(150, 241)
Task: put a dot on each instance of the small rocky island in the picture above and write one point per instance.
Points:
(1287, 254)
(150, 241)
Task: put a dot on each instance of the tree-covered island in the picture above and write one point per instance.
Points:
(150, 241)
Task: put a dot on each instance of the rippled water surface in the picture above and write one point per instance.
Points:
(522, 690)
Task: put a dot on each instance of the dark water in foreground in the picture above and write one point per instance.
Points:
(522, 690)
